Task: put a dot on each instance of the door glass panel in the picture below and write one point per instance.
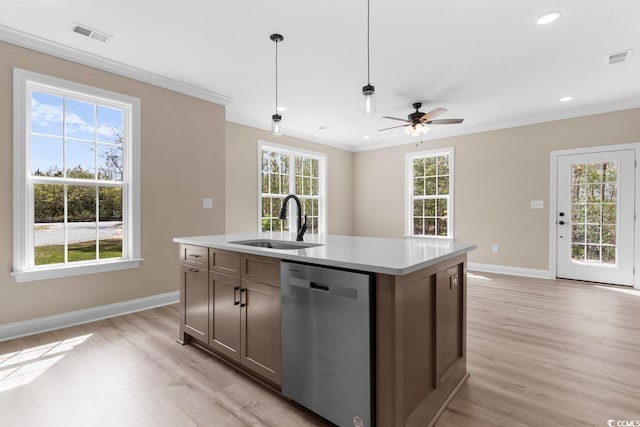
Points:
(594, 206)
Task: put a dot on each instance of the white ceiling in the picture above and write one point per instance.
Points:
(487, 62)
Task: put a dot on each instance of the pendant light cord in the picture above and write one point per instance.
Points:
(276, 77)
(368, 55)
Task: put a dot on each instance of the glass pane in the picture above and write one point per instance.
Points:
(298, 165)
(578, 213)
(314, 225)
(610, 192)
(418, 206)
(578, 176)
(609, 234)
(265, 183)
(110, 124)
(442, 226)
(418, 226)
(418, 187)
(430, 226)
(82, 241)
(609, 254)
(110, 226)
(430, 186)
(441, 207)
(48, 229)
(609, 214)
(578, 194)
(306, 187)
(265, 161)
(306, 167)
(578, 233)
(81, 204)
(274, 184)
(594, 172)
(266, 224)
(284, 188)
(594, 193)
(430, 207)
(430, 166)
(610, 172)
(81, 160)
(314, 187)
(443, 185)
(46, 156)
(443, 165)
(266, 206)
(46, 113)
(110, 162)
(577, 253)
(593, 234)
(593, 253)
(418, 167)
(276, 206)
(314, 168)
(594, 214)
(80, 120)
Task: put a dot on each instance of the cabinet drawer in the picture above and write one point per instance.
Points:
(225, 262)
(261, 269)
(194, 255)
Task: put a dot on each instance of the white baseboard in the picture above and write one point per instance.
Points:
(512, 271)
(57, 321)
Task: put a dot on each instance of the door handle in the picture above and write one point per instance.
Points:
(243, 291)
(561, 222)
(235, 292)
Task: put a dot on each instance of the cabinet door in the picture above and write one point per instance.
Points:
(225, 315)
(194, 302)
(449, 327)
(261, 330)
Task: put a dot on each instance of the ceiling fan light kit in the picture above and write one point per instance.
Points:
(416, 122)
(276, 128)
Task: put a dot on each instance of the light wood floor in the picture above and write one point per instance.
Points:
(540, 353)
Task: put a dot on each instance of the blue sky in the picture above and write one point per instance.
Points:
(48, 117)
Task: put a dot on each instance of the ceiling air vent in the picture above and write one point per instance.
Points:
(89, 32)
(618, 57)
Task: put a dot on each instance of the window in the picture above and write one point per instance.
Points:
(76, 178)
(429, 189)
(284, 171)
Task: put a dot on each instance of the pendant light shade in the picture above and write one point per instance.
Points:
(368, 90)
(276, 128)
(417, 129)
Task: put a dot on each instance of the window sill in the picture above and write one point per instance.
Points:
(74, 270)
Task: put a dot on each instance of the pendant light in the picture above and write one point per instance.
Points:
(368, 91)
(276, 129)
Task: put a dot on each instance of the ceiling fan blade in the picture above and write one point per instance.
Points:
(444, 122)
(395, 118)
(433, 113)
(394, 127)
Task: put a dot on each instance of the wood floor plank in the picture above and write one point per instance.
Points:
(540, 353)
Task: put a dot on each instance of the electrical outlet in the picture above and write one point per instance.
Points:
(207, 203)
(495, 248)
(537, 204)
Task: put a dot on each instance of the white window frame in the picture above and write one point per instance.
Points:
(408, 191)
(23, 267)
(322, 183)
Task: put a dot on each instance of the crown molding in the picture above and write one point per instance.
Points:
(241, 120)
(19, 38)
(589, 111)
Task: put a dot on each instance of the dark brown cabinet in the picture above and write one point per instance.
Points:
(194, 291)
(225, 315)
(448, 320)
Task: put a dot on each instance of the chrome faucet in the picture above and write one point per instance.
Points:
(283, 215)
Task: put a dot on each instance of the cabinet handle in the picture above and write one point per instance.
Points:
(243, 291)
(193, 270)
(195, 256)
(235, 292)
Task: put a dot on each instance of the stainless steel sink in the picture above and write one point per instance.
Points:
(276, 244)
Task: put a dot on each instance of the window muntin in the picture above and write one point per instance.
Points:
(76, 183)
(284, 171)
(430, 190)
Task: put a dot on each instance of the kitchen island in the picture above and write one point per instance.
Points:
(230, 305)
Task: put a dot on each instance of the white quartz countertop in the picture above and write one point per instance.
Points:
(388, 256)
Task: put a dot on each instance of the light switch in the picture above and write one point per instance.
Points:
(207, 203)
(537, 204)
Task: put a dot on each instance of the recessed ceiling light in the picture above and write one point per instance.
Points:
(321, 127)
(566, 98)
(548, 18)
(366, 137)
(281, 109)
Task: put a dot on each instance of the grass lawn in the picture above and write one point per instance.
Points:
(84, 251)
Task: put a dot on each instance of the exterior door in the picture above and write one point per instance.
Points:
(595, 216)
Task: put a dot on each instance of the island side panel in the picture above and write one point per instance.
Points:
(408, 390)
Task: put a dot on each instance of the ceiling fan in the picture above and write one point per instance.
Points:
(416, 122)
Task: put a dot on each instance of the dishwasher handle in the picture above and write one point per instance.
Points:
(336, 290)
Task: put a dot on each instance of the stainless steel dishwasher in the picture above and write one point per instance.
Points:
(327, 342)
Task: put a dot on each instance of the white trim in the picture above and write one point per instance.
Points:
(449, 133)
(408, 184)
(322, 181)
(69, 270)
(511, 271)
(48, 47)
(553, 202)
(23, 269)
(24, 328)
(234, 118)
